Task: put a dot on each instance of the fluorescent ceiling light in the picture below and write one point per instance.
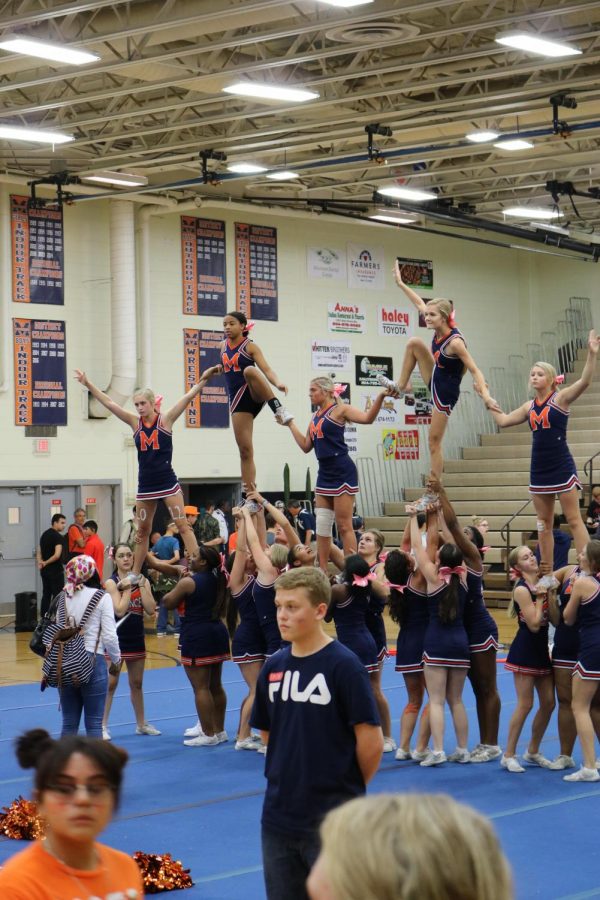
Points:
(405, 193)
(42, 50)
(514, 144)
(243, 168)
(36, 135)
(270, 92)
(282, 175)
(481, 137)
(533, 44)
(346, 3)
(531, 212)
(394, 220)
(122, 179)
(547, 227)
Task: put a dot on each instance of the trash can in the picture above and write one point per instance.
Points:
(25, 611)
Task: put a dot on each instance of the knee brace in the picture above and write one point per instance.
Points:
(325, 519)
(540, 525)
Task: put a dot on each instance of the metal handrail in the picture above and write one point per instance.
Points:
(505, 533)
(590, 463)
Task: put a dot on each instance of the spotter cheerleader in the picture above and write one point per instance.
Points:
(348, 607)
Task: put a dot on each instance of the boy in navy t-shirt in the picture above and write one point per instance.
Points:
(315, 709)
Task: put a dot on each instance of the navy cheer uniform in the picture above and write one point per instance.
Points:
(156, 478)
(447, 374)
(481, 628)
(411, 637)
(528, 654)
(446, 643)
(553, 469)
(264, 600)
(565, 649)
(131, 633)
(337, 473)
(588, 660)
(234, 360)
(352, 631)
(374, 619)
(204, 640)
(248, 644)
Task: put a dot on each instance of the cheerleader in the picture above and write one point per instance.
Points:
(553, 470)
(152, 433)
(584, 608)
(445, 646)
(241, 360)
(347, 608)
(270, 562)
(441, 368)
(337, 478)
(248, 646)
(529, 661)
(204, 641)
(130, 605)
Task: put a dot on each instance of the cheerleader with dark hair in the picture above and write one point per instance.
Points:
(242, 363)
(348, 609)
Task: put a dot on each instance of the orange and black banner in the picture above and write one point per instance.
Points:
(256, 271)
(40, 372)
(209, 409)
(37, 253)
(203, 259)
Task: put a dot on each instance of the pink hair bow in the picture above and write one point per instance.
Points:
(363, 581)
(514, 574)
(382, 556)
(559, 379)
(485, 549)
(446, 572)
(452, 320)
(158, 402)
(396, 587)
(223, 568)
(249, 326)
(338, 390)
(111, 552)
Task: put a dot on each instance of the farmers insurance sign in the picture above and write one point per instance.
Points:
(365, 267)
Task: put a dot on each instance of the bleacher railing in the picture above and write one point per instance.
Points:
(383, 480)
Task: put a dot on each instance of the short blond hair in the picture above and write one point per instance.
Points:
(327, 384)
(445, 307)
(412, 847)
(314, 581)
(279, 555)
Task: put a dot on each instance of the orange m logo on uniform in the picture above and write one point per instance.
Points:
(539, 419)
(316, 431)
(146, 442)
(229, 364)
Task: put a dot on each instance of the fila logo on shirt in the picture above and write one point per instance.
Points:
(316, 691)
(233, 363)
(537, 419)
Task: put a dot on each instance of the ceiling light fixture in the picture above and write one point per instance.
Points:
(514, 144)
(393, 220)
(405, 193)
(531, 212)
(121, 179)
(482, 137)
(531, 43)
(345, 3)
(42, 50)
(244, 168)
(282, 175)
(546, 226)
(270, 92)
(35, 135)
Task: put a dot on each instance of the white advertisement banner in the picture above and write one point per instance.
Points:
(347, 317)
(326, 262)
(351, 438)
(331, 355)
(366, 267)
(393, 321)
(391, 409)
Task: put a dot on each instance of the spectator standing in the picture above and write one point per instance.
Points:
(75, 535)
(94, 546)
(206, 527)
(321, 753)
(220, 514)
(166, 549)
(593, 514)
(302, 520)
(49, 560)
(129, 530)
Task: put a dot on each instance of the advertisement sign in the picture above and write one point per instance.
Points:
(326, 262)
(330, 355)
(393, 321)
(367, 367)
(210, 408)
(40, 372)
(389, 414)
(419, 405)
(402, 444)
(37, 253)
(366, 267)
(351, 438)
(416, 272)
(346, 317)
(203, 259)
(256, 271)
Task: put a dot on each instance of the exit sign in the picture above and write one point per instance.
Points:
(55, 502)
(90, 501)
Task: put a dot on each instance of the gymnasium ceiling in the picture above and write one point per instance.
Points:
(430, 71)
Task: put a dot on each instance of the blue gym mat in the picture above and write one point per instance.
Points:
(203, 804)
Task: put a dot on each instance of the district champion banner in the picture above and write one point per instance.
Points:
(256, 271)
(40, 372)
(37, 253)
(203, 259)
(209, 409)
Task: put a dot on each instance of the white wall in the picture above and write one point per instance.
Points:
(503, 300)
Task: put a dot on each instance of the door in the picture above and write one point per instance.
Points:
(18, 542)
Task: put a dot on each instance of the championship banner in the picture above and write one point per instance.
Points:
(256, 271)
(210, 408)
(203, 260)
(37, 253)
(40, 372)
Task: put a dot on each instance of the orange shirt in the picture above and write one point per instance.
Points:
(33, 874)
(75, 533)
(95, 548)
(233, 540)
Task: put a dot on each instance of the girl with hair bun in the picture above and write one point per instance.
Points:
(77, 786)
(337, 478)
(442, 367)
(153, 436)
(242, 363)
(553, 470)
